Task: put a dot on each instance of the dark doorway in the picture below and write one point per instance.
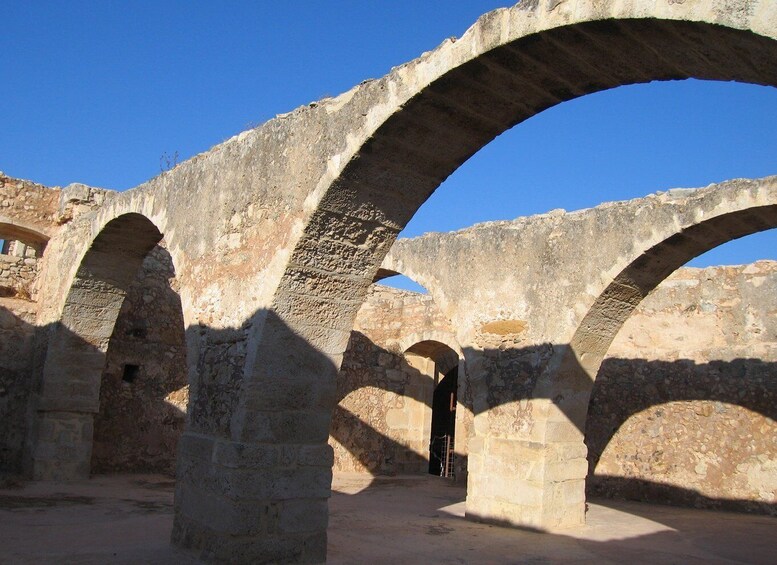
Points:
(443, 425)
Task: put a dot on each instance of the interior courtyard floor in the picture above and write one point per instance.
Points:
(409, 519)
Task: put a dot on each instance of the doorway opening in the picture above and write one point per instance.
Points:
(442, 442)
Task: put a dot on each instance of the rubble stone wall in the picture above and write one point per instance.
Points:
(18, 277)
(684, 409)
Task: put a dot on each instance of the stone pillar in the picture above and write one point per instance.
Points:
(254, 467)
(252, 502)
(527, 458)
(525, 483)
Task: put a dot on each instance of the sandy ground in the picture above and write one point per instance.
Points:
(127, 519)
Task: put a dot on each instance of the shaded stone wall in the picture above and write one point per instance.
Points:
(684, 408)
(383, 417)
(17, 334)
(30, 214)
(144, 391)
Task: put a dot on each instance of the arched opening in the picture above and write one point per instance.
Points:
(73, 371)
(21, 251)
(396, 358)
(508, 68)
(436, 368)
(684, 404)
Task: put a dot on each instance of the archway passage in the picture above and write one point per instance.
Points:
(568, 385)
(75, 360)
(614, 306)
(442, 443)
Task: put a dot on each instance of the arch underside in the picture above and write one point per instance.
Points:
(633, 284)
(24, 234)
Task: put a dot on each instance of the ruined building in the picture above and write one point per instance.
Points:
(253, 345)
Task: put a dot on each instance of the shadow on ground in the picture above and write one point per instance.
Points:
(407, 519)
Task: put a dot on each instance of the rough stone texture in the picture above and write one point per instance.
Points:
(28, 209)
(277, 234)
(139, 422)
(19, 277)
(684, 408)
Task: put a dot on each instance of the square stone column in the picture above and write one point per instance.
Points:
(536, 481)
(254, 466)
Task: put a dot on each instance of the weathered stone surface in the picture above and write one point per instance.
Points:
(321, 192)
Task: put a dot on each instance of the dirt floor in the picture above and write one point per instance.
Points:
(127, 519)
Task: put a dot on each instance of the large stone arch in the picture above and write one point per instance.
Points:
(77, 343)
(426, 119)
(710, 218)
(536, 280)
(512, 64)
(713, 218)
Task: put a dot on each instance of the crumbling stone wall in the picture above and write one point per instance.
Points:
(144, 391)
(684, 409)
(28, 204)
(381, 423)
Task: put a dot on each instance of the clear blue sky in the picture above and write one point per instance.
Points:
(97, 92)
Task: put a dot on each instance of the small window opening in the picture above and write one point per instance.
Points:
(139, 333)
(130, 373)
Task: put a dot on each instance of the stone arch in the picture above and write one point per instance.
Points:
(428, 343)
(425, 120)
(75, 357)
(437, 365)
(512, 64)
(570, 384)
